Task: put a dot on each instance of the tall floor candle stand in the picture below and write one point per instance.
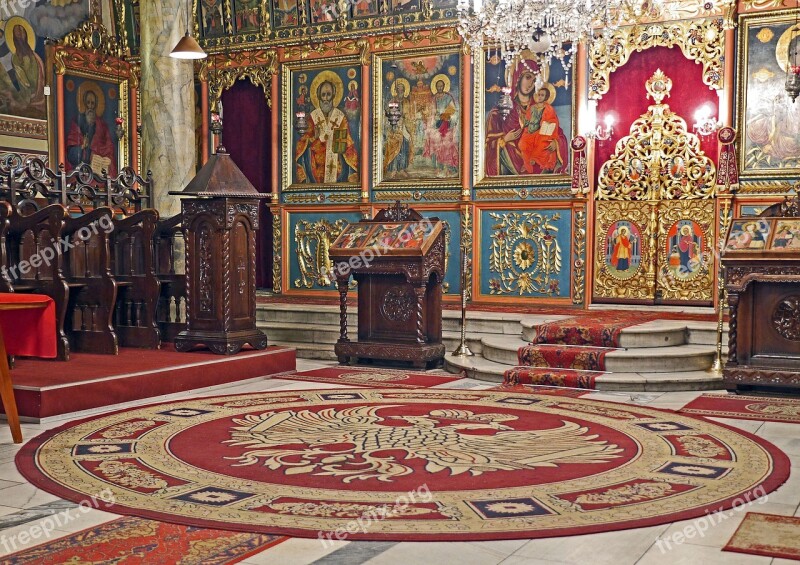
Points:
(463, 349)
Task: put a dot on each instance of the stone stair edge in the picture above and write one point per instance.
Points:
(446, 313)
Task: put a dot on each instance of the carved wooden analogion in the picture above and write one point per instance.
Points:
(397, 258)
(762, 278)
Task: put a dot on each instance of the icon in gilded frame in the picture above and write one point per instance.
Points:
(327, 154)
(531, 143)
(424, 147)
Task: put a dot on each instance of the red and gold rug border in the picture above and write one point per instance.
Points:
(27, 455)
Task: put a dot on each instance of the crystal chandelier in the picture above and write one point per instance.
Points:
(551, 29)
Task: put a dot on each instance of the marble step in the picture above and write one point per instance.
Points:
(325, 337)
(328, 315)
(304, 332)
(640, 359)
(705, 333)
(305, 350)
(657, 333)
(477, 367)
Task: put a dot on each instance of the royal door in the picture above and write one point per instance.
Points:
(655, 212)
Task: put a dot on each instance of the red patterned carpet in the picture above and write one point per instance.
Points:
(745, 407)
(551, 377)
(390, 464)
(557, 356)
(368, 376)
(541, 389)
(134, 541)
(600, 328)
(768, 535)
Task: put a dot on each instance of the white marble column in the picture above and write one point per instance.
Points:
(168, 102)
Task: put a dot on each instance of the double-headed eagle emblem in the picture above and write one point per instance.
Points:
(358, 443)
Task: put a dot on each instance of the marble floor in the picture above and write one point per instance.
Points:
(22, 506)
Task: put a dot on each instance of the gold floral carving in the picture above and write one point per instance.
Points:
(438, 36)
(659, 159)
(700, 40)
(305, 198)
(344, 198)
(579, 252)
(222, 74)
(466, 244)
(763, 4)
(525, 256)
(93, 37)
(97, 66)
(539, 192)
(23, 127)
(417, 195)
(313, 241)
(766, 187)
(339, 47)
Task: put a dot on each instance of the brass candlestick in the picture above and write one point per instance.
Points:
(463, 349)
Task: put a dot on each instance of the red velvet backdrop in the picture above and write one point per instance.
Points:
(246, 135)
(626, 98)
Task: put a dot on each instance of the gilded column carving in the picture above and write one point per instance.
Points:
(466, 244)
(277, 255)
(579, 254)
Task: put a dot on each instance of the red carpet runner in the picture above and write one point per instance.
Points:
(571, 352)
(137, 541)
(600, 328)
(745, 407)
(767, 534)
(550, 377)
(563, 357)
(413, 464)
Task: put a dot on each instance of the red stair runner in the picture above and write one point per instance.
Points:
(563, 357)
(550, 377)
(600, 328)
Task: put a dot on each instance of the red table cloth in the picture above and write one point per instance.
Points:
(28, 331)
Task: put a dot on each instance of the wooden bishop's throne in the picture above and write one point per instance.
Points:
(397, 259)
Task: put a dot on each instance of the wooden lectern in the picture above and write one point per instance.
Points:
(762, 278)
(220, 219)
(397, 258)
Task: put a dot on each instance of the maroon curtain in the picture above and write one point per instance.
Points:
(246, 136)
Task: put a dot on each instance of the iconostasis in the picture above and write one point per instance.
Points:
(610, 180)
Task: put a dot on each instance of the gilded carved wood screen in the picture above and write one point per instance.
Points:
(655, 212)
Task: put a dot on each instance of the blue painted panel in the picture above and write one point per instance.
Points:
(453, 219)
(525, 253)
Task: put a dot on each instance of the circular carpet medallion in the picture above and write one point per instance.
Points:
(405, 465)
